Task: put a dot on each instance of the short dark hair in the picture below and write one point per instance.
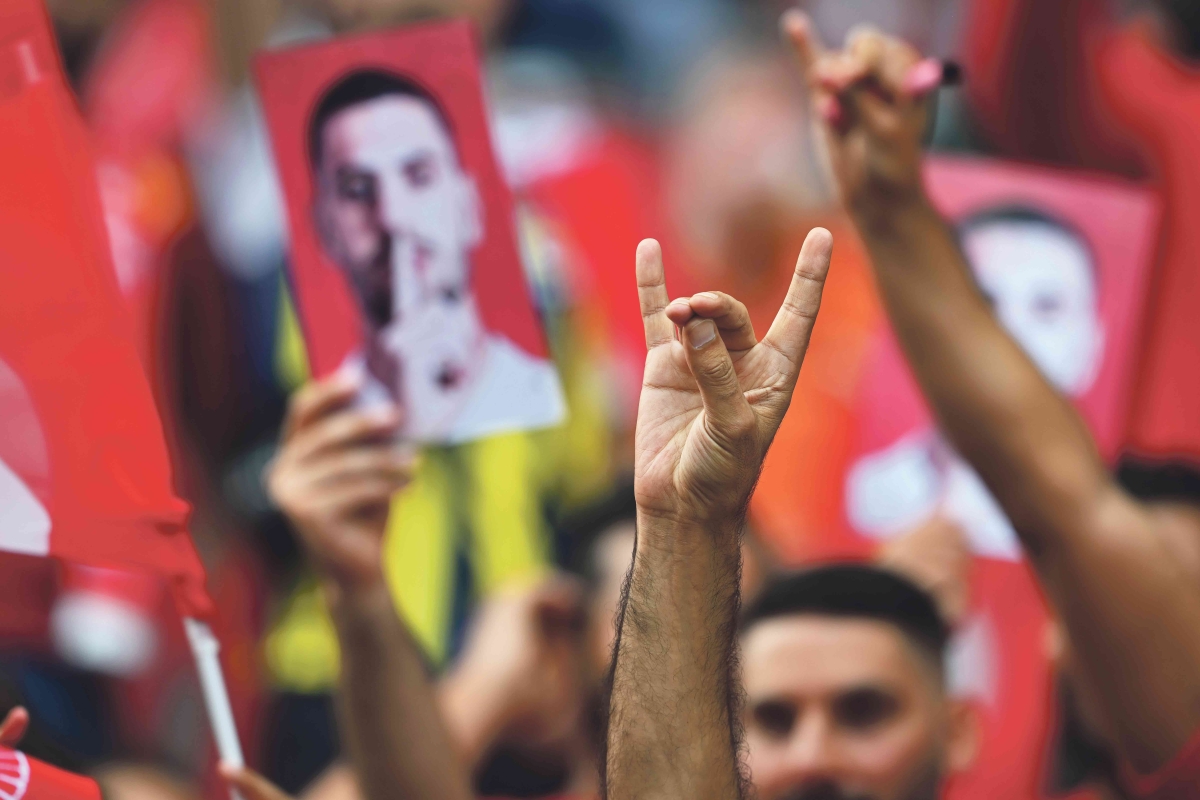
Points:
(584, 528)
(362, 86)
(1025, 215)
(855, 591)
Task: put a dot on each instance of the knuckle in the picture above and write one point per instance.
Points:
(717, 370)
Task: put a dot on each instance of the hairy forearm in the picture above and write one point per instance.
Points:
(674, 725)
(1027, 442)
(390, 719)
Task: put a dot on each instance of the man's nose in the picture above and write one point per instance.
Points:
(812, 752)
(394, 207)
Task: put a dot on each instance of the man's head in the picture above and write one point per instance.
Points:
(1040, 277)
(845, 691)
(397, 213)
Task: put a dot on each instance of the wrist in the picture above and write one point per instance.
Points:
(686, 536)
(347, 594)
(884, 212)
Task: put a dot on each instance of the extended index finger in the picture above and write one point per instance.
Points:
(793, 325)
(317, 399)
(652, 294)
(799, 30)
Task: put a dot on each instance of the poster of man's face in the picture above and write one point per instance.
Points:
(404, 261)
(1063, 262)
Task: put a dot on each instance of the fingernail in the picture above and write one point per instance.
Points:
(923, 78)
(385, 414)
(701, 333)
(830, 110)
(709, 295)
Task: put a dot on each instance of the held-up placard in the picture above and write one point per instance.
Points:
(404, 260)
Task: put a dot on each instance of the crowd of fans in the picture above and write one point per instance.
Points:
(646, 600)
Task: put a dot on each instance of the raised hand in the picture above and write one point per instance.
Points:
(868, 115)
(713, 397)
(337, 469)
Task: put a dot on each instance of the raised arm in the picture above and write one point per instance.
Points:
(711, 402)
(1117, 570)
(334, 477)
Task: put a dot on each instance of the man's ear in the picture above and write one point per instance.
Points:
(963, 730)
(470, 210)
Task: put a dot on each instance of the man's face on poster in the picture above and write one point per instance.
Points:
(1041, 283)
(397, 213)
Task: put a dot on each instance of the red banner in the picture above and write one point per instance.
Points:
(84, 473)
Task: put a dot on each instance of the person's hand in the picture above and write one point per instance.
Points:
(869, 119)
(335, 474)
(520, 671)
(937, 557)
(250, 785)
(713, 398)
(13, 728)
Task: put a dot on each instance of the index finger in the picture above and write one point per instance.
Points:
(652, 294)
(793, 325)
(317, 398)
(799, 30)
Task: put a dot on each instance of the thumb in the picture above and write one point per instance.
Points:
(716, 378)
(251, 785)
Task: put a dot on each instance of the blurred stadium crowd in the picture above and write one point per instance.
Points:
(613, 120)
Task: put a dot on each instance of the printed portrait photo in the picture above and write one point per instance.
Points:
(404, 261)
(1043, 255)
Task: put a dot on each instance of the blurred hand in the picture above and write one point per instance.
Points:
(250, 785)
(13, 728)
(937, 557)
(870, 122)
(334, 477)
(520, 671)
(712, 399)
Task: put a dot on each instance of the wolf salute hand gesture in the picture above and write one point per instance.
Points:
(712, 399)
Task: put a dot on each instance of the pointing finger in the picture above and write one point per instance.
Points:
(652, 294)
(798, 29)
(793, 324)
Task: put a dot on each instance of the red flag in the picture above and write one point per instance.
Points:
(25, 778)
(84, 472)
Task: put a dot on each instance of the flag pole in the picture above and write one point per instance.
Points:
(206, 651)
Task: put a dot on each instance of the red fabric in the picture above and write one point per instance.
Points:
(1158, 99)
(1062, 82)
(99, 467)
(25, 778)
(1179, 780)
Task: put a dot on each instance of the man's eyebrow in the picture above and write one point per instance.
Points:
(422, 153)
